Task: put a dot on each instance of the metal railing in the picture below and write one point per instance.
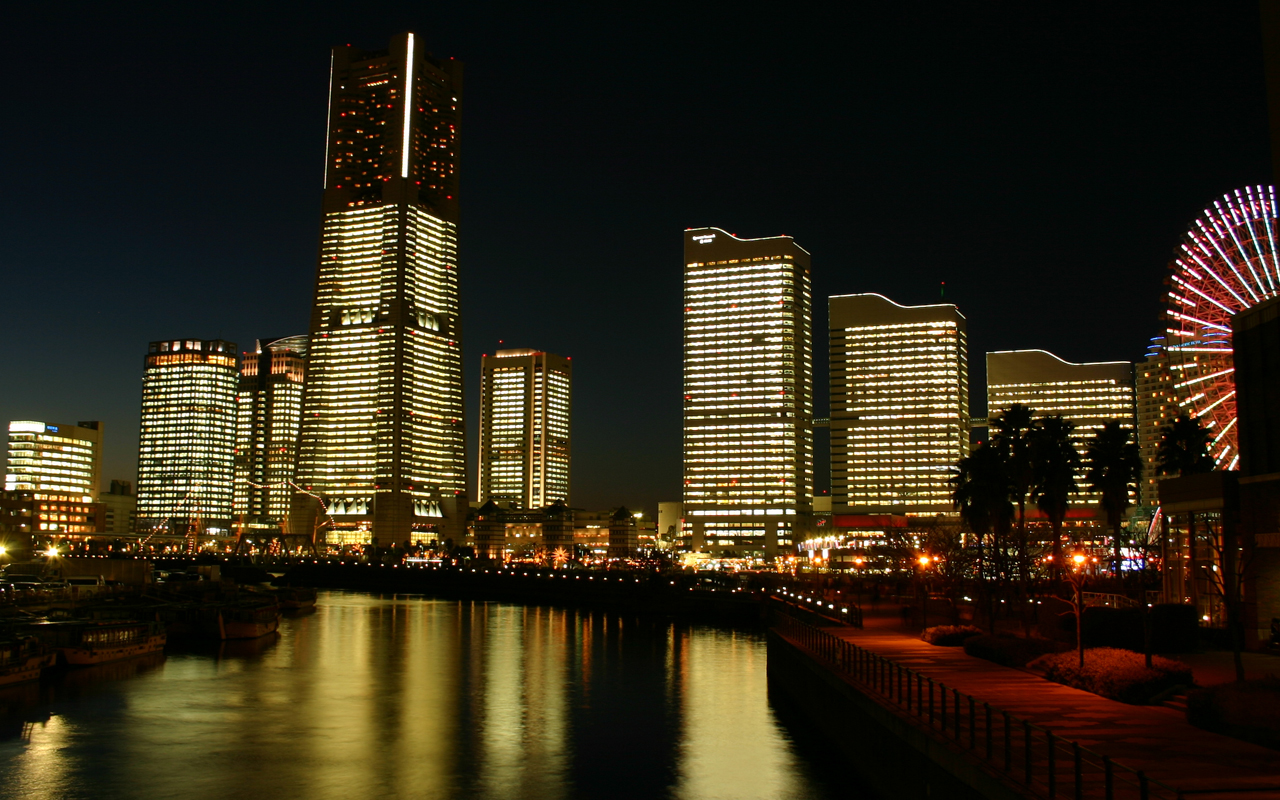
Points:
(1041, 761)
(1108, 600)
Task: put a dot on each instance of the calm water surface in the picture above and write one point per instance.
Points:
(413, 697)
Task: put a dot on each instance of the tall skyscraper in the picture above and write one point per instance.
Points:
(748, 393)
(270, 413)
(1156, 407)
(524, 428)
(61, 466)
(382, 440)
(186, 452)
(1089, 395)
(899, 405)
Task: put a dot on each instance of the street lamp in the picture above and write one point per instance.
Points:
(1077, 578)
(923, 561)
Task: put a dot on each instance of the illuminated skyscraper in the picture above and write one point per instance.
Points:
(186, 452)
(61, 466)
(270, 412)
(382, 440)
(748, 392)
(1087, 394)
(899, 405)
(1156, 408)
(524, 428)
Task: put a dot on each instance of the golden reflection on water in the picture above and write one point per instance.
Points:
(413, 697)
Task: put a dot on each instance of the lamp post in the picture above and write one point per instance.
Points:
(923, 561)
(1077, 577)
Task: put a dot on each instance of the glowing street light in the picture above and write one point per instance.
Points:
(52, 552)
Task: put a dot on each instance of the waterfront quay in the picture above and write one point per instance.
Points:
(713, 597)
(949, 724)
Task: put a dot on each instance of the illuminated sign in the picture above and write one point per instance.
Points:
(705, 238)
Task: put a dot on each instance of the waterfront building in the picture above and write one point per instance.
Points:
(1156, 407)
(17, 518)
(269, 415)
(624, 539)
(748, 393)
(1090, 395)
(187, 443)
(382, 438)
(524, 428)
(899, 405)
(119, 508)
(55, 459)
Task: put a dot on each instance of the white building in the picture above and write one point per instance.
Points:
(525, 400)
(899, 405)
(748, 393)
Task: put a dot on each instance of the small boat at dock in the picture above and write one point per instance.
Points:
(295, 598)
(23, 660)
(81, 643)
(248, 620)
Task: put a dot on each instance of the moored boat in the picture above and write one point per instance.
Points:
(248, 620)
(296, 598)
(23, 660)
(80, 643)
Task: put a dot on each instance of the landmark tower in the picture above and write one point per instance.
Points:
(382, 440)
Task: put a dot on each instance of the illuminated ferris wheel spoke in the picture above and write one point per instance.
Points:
(1229, 260)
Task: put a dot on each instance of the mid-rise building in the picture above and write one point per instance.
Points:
(748, 393)
(268, 420)
(55, 459)
(382, 439)
(899, 405)
(186, 451)
(1156, 406)
(524, 428)
(60, 465)
(119, 508)
(1090, 395)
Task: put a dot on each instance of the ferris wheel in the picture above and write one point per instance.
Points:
(1227, 262)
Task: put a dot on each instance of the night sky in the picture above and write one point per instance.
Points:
(163, 176)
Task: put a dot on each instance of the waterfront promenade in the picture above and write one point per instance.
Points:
(1154, 739)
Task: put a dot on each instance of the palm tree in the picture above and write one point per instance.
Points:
(1184, 448)
(1055, 461)
(1012, 429)
(1115, 468)
(981, 494)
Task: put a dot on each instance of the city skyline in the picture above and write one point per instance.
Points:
(1130, 233)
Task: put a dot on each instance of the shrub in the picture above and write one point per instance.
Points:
(949, 635)
(1118, 674)
(1249, 710)
(1010, 650)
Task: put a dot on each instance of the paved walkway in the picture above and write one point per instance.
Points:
(1154, 739)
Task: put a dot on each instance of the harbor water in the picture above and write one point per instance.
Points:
(413, 697)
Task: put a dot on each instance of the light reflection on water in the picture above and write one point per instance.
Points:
(413, 697)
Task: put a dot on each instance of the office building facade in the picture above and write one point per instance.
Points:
(60, 465)
(1090, 395)
(748, 393)
(525, 401)
(1156, 407)
(899, 405)
(269, 415)
(382, 438)
(186, 451)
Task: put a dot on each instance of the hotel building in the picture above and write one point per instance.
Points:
(1156, 407)
(524, 428)
(267, 423)
(186, 449)
(382, 439)
(1089, 395)
(899, 405)
(61, 466)
(748, 393)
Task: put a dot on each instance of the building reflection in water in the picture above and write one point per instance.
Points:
(413, 697)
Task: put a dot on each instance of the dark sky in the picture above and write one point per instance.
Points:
(163, 173)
